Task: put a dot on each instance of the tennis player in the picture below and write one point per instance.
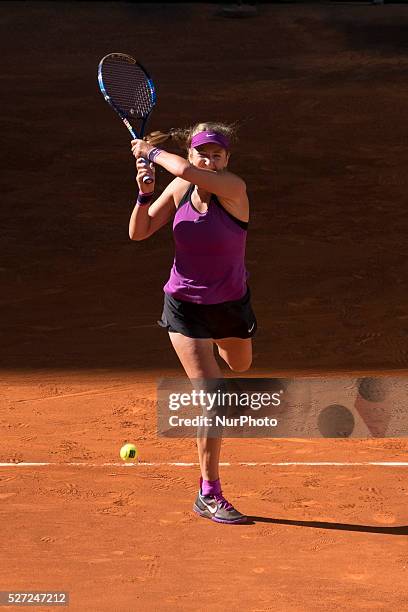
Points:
(207, 300)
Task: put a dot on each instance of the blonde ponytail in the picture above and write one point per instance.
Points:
(182, 136)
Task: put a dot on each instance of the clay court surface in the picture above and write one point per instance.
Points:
(322, 93)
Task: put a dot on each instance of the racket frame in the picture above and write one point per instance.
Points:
(122, 114)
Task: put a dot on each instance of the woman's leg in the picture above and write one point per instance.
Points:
(236, 352)
(198, 360)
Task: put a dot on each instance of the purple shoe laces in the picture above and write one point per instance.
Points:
(220, 499)
(217, 495)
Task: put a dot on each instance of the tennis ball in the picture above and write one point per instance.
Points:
(128, 452)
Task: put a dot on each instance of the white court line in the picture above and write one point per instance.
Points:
(192, 464)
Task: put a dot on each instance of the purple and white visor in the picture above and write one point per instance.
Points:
(205, 137)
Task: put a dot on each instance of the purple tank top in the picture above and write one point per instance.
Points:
(209, 262)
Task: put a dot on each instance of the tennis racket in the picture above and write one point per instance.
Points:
(128, 88)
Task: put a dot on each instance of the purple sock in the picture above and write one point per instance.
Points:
(210, 487)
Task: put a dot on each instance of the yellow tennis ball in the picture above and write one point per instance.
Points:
(128, 452)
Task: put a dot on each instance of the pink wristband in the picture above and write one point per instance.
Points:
(154, 153)
(144, 198)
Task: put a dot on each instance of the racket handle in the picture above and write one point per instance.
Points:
(146, 179)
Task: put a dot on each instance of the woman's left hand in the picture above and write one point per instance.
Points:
(140, 148)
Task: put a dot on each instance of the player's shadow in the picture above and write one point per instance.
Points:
(398, 531)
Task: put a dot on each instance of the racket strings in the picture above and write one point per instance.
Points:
(128, 87)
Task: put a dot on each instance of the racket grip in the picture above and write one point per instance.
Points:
(146, 179)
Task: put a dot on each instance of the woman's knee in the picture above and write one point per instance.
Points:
(237, 357)
(241, 365)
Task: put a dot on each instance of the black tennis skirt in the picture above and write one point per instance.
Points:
(233, 319)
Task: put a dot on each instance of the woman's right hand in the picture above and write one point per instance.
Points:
(144, 168)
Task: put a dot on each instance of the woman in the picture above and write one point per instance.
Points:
(207, 301)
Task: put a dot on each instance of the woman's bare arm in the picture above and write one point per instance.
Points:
(146, 220)
(223, 184)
